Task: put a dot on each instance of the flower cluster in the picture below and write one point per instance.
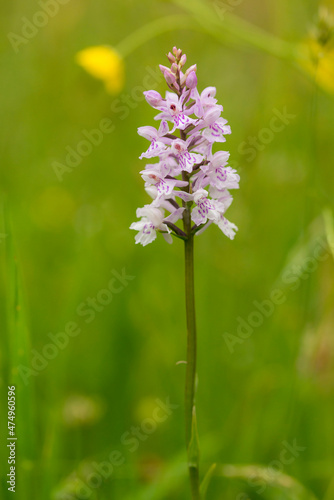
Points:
(189, 181)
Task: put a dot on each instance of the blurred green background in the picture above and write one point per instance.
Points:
(61, 241)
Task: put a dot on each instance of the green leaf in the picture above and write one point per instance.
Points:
(206, 481)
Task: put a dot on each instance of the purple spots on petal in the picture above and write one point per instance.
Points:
(147, 229)
(217, 130)
(221, 174)
(204, 206)
(163, 188)
(181, 120)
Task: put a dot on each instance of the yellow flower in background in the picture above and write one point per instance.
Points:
(318, 51)
(319, 62)
(103, 62)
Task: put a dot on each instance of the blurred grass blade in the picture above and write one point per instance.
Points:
(206, 481)
(329, 228)
(293, 488)
(301, 250)
(18, 354)
(329, 495)
(233, 27)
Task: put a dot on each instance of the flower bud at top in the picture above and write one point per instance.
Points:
(183, 60)
(191, 80)
(153, 97)
(190, 69)
(178, 54)
(174, 68)
(171, 79)
(182, 79)
(170, 57)
(164, 69)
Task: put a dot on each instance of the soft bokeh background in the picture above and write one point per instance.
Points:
(65, 238)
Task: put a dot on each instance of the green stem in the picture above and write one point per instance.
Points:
(191, 431)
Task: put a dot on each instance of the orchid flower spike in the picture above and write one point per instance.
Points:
(188, 176)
